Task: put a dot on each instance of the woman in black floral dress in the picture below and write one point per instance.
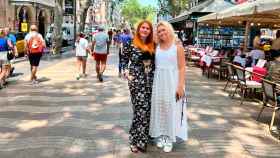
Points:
(138, 62)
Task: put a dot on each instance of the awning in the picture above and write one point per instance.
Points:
(259, 11)
(47, 3)
(181, 17)
(201, 6)
(209, 6)
(216, 6)
(187, 13)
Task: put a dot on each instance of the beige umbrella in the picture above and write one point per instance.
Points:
(259, 11)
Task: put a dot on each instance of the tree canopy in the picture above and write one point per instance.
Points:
(172, 7)
(133, 11)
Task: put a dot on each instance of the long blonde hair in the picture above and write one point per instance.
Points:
(170, 29)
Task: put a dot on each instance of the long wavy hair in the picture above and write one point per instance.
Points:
(170, 29)
(148, 45)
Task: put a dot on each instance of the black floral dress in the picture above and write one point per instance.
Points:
(141, 70)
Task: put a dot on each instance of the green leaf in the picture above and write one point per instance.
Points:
(133, 11)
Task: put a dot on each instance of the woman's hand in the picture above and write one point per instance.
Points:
(180, 92)
(127, 76)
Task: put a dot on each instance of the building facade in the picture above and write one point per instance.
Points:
(20, 14)
(104, 13)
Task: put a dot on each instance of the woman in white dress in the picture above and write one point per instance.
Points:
(168, 110)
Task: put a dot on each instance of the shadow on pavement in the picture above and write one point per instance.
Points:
(87, 118)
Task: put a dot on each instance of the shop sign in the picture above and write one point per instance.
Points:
(189, 24)
(24, 27)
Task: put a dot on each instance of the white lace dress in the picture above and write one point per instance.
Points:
(166, 114)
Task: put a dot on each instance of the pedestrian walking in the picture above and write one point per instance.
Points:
(100, 46)
(110, 34)
(34, 44)
(140, 55)
(13, 50)
(116, 38)
(125, 39)
(5, 45)
(168, 110)
(82, 50)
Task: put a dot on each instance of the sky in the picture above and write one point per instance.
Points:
(148, 2)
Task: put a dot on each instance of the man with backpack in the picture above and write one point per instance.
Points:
(100, 44)
(34, 44)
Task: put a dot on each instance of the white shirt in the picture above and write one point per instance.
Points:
(240, 60)
(257, 54)
(81, 47)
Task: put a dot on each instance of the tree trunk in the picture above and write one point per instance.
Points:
(85, 5)
(57, 32)
(83, 19)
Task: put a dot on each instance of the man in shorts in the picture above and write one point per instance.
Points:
(100, 46)
(82, 49)
(34, 44)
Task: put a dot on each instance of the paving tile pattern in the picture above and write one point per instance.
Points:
(65, 118)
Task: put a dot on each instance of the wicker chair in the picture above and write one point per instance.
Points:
(244, 84)
(269, 99)
(231, 77)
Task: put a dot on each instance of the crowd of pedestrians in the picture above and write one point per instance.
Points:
(34, 45)
(152, 62)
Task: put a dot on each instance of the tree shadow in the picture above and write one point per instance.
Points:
(221, 124)
(91, 119)
(16, 75)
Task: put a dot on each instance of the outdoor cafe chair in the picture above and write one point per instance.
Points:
(231, 77)
(191, 57)
(269, 100)
(244, 84)
(220, 67)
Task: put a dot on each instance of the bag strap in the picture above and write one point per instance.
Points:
(31, 38)
(184, 101)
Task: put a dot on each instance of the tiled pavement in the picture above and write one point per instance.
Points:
(65, 118)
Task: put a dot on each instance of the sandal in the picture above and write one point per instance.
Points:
(134, 149)
(142, 150)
